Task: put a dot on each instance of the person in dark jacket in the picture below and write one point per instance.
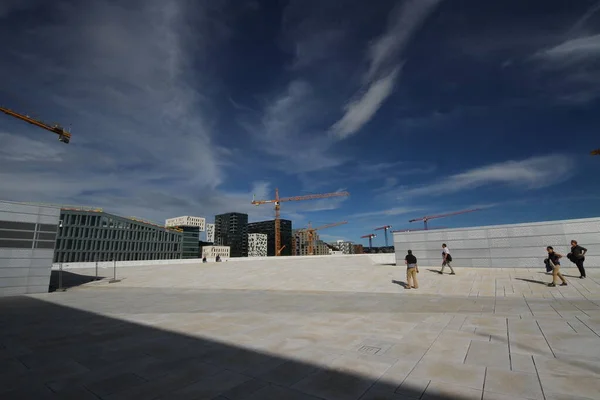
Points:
(411, 270)
(577, 256)
(554, 260)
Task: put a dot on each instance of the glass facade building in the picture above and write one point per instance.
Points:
(190, 242)
(231, 229)
(268, 228)
(88, 236)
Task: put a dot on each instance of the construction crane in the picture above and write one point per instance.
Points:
(63, 135)
(596, 152)
(420, 229)
(428, 217)
(278, 200)
(385, 230)
(310, 233)
(370, 236)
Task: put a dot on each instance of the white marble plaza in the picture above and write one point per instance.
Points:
(339, 328)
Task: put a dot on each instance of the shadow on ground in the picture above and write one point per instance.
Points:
(565, 275)
(533, 281)
(58, 352)
(69, 280)
(403, 284)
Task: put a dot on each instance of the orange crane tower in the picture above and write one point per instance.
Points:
(63, 135)
(310, 231)
(278, 200)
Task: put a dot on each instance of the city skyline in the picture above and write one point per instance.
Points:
(415, 107)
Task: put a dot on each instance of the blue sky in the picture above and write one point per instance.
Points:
(417, 107)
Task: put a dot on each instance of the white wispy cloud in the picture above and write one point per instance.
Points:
(574, 50)
(531, 173)
(360, 111)
(286, 131)
(127, 78)
(384, 57)
(584, 18)
(390, 212)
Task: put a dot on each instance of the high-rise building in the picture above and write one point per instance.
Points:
(210, 233)
(268, 228)
(87, 235)
(190, 227)
(231, 229)
(257, 245)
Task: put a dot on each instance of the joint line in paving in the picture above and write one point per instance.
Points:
(575, 305)
(484, 378)
(465, 359)
(587, 326)
(556, 311)
(568, 323)
(528, 306)
(508, 344)
(544, 335)
(417, 363)
(538, 376)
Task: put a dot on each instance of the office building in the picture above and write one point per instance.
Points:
(190, 244)
(231, 229)
(198, 222)
(301, 241)
(257, 245)
(345, 247)
(210, 233)
(358, 249)
(190, 227)
(214, 251)
(27, 238)
(88, 235)
(268, 228)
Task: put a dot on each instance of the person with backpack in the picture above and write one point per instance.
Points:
(554, 261)
(577, 257)
(411, 271)
(446, 259)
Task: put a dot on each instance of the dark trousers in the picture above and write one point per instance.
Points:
(579, 263)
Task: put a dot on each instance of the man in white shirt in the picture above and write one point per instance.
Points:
(446, 259)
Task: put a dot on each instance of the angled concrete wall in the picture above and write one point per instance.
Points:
(511, 246)
(27, 241)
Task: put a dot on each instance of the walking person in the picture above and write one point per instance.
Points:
(411, 271)
(577, 256)
(554, 261)
(446, 260)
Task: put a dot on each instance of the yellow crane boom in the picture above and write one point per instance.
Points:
(63, 135)
(310, 231)
(278, 200)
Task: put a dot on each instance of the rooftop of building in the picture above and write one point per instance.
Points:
(312, 327)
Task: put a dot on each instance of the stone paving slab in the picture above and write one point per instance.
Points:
(317, 331)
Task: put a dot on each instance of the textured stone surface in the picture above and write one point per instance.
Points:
(322, 331)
